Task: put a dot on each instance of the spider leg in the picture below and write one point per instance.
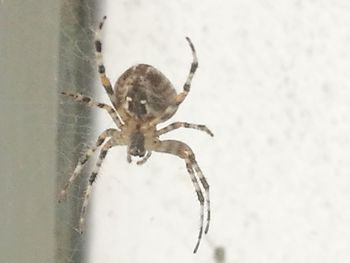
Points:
(144, 159)
(114, 141)
(92, 103)
(176, 125)
(83, 159)
(201, 201)
(186, 88)
(100, 65)
(183, 151)
(205, 185)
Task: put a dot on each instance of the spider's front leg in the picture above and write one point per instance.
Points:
(114, 141)
(83, 159)
(183, 151)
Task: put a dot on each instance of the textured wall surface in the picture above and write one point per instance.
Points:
(273, 84)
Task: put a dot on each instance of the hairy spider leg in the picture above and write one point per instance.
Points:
(106, 83)
(114, 141)
(92, 103)
(186, 88)
(84, 158)
(177, 125)
(201, 201)
(205, 185)
(183, 151)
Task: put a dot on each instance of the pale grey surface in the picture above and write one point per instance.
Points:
(273, 85)
(28, 108)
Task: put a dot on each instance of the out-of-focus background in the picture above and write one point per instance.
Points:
(273, 86)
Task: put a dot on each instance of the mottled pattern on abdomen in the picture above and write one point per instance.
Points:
(144, 82)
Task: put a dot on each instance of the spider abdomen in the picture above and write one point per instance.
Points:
(144, 93)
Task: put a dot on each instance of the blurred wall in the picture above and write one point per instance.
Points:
(28, 65)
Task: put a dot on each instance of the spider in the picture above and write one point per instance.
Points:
(141, 99)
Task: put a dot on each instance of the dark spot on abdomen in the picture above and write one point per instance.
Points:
(154, 78)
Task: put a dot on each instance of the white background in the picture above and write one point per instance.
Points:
(273, 85)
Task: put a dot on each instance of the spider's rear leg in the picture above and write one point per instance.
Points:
(84, 158)
(114, 141)
(187, 86)
(183, 151)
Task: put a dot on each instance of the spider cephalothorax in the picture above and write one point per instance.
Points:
(142, 98)
(137, 143)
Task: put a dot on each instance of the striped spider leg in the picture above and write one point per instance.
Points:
(84, 158)
(183, 151)
(115, 140)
